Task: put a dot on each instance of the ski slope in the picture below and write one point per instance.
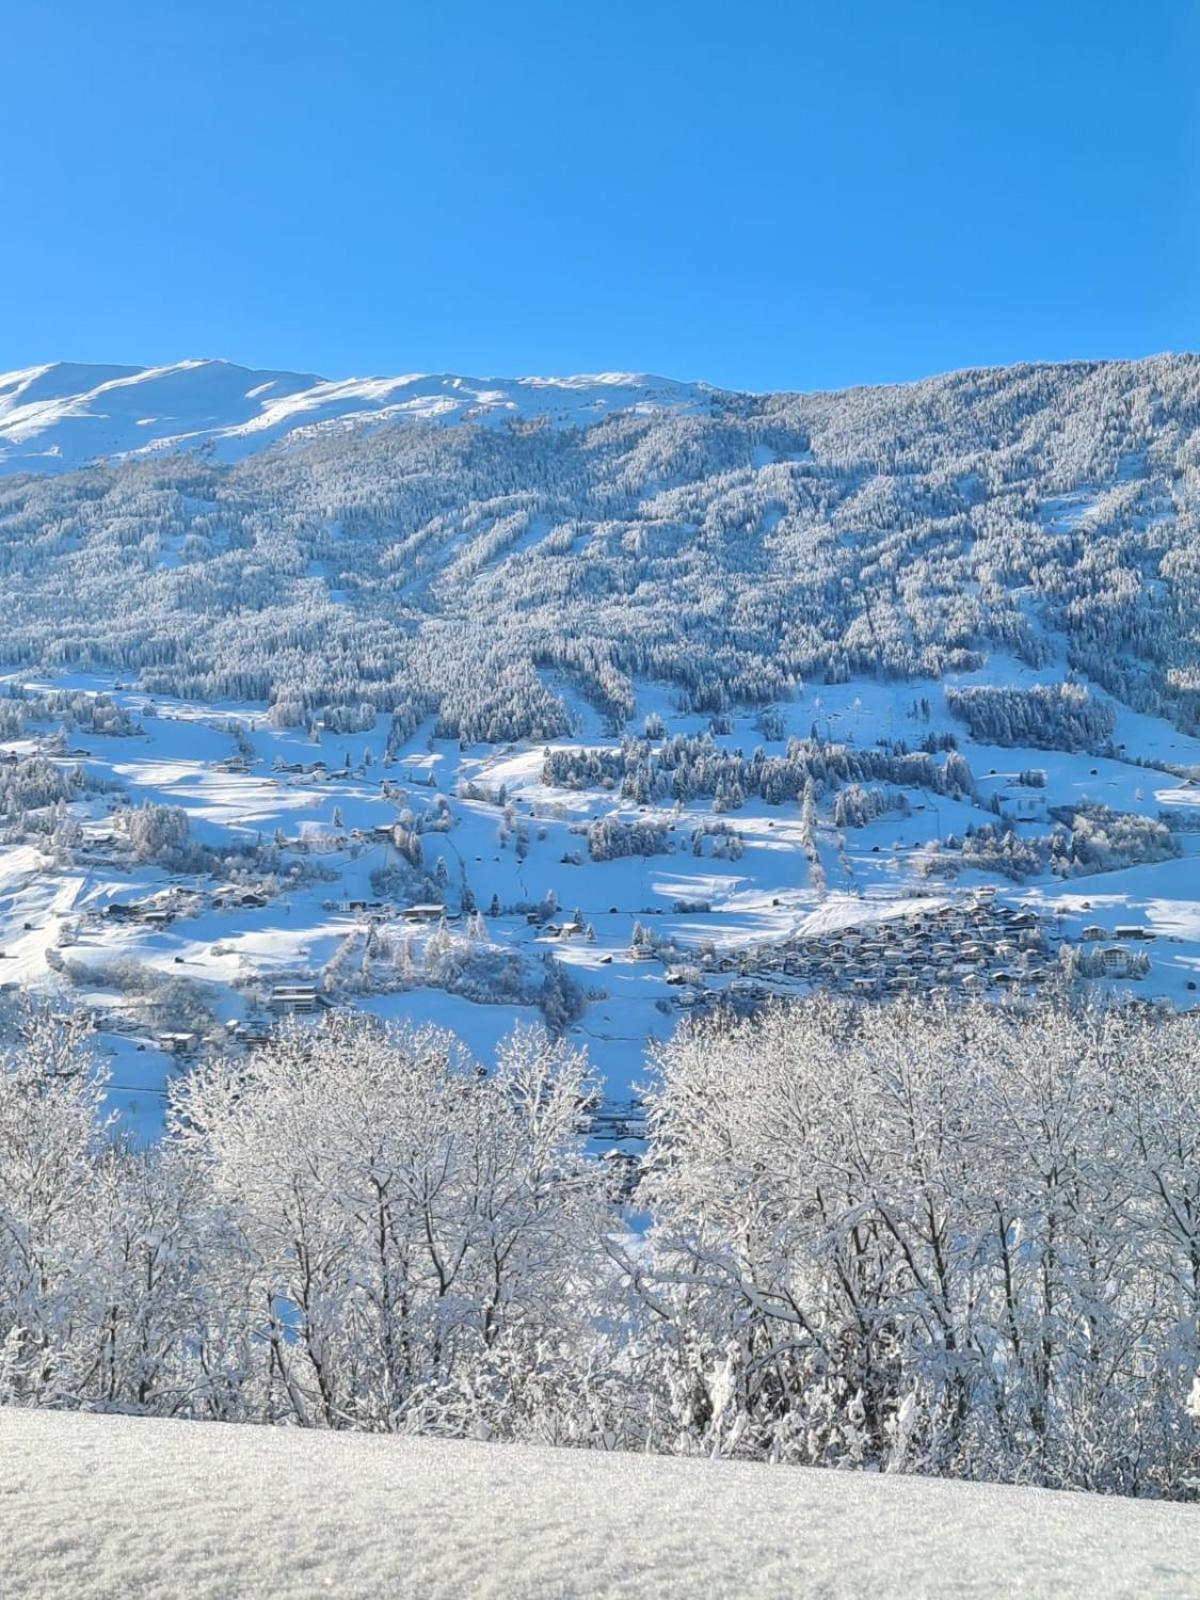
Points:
(60, 416)
(106, 1507)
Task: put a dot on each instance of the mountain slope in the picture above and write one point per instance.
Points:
(57, 417)
(729, 546)
(110, 1506)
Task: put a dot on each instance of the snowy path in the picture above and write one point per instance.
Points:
(97, 1507)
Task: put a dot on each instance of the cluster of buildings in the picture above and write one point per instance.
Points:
(156, 910)
(160, 909)
(422, 915)
(972, 945)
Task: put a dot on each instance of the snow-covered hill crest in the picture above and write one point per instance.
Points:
(164, 1508)
(57, 417)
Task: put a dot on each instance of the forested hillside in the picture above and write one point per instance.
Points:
(733, 549)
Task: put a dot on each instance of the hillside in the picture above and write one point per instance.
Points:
(714, 698)
(757, 751)
(730, 552)
(105, 1507)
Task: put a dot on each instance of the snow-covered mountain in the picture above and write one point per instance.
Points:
(57, 417)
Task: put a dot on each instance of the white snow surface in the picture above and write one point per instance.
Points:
(93, 1507)
(56, 417)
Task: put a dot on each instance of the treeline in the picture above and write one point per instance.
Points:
(1089, 839)
(962, 1242)
(1047, 716)
(32, 783)
(73, 709)
(611, 837)
(693, 766)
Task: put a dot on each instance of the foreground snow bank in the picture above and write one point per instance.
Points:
(95, 1506)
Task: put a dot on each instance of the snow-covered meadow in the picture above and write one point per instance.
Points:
(106, 1507)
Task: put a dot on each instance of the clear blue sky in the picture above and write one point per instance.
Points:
(761, 194)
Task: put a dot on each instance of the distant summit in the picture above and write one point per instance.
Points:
(58, 417)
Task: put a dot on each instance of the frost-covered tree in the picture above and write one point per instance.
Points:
(401, 1224)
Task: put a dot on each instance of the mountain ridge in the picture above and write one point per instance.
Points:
(63, 415)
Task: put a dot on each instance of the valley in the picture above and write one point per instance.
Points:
(474, 887)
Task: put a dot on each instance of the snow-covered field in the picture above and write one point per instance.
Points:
(102, 1508)
(510, 840)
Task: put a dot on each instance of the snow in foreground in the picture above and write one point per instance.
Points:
(95, 1506)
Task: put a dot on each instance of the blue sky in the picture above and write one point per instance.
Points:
(761, 194)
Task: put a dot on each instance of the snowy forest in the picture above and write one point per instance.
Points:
(887, 1237)
(734, 553)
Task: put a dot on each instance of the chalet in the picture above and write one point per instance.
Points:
(1115, 958)
(423, 913)
(1133, 933)
(179, 1043)
(1093, 934)
(246, 898)
(294, 999)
